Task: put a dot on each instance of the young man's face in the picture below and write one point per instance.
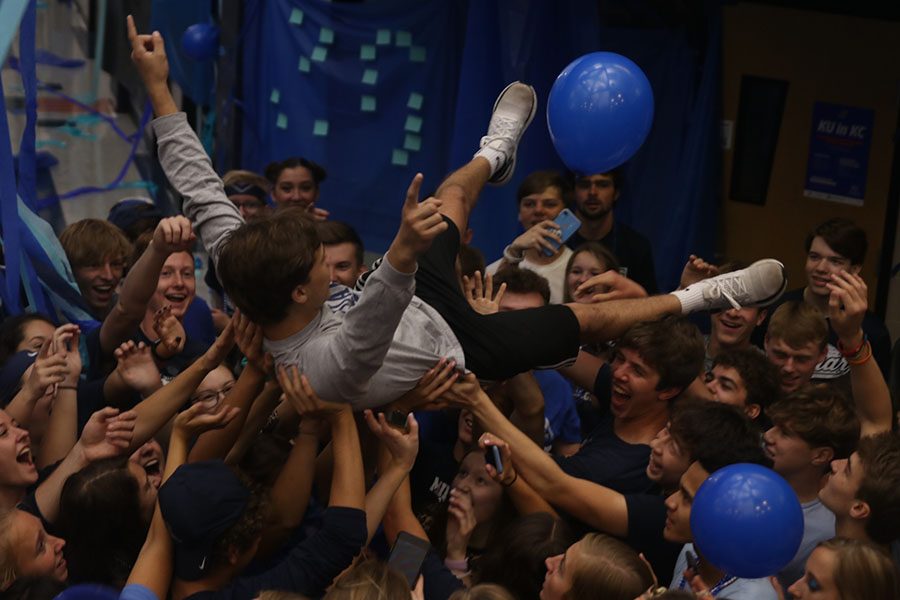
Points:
(535, 208)
(841, 488)
(595, 196)
(725, 384)
(678, 505)
(821, 263)
(342, 264)
(795, 365)
(295, 187)
(176, 285)
(249, 205)
(634, 385)
(667, 461)
(788, 451)
(98, 282)
(732, 328)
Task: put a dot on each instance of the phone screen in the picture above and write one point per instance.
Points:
(408, 555)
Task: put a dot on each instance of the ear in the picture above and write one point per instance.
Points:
(763, 313)
(822, 456)
(752, 410)
(299, 295)
(860, 510)
(669, 393)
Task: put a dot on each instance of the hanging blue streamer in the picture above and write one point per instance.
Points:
(9, 217)
(27, 170)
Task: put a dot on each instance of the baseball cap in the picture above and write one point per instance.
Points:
(11, 374)
(199, 502)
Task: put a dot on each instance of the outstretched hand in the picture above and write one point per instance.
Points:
(172, 337)
(298, 391)
(107, 433)
(847, 306)
(428, 391)
(696, 269)
(402, 445)
(614, 286)
(481, 295)
(174, 234)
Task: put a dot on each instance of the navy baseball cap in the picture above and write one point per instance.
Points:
(199, 502)
(126, 212)
(11, 374)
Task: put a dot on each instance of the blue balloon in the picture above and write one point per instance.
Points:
(599, 112)
(747, 521)
(88, 591)
(201, 41)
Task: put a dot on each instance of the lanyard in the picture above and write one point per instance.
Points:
(714, 591)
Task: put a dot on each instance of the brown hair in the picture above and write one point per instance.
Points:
(90, 242)
(821, 416)
(672, 346)
(607, 568)
(798, 323)
(245, 177)
(715, 434)
(863, 571)
(274, 169)
(537, 182)
(844, 237)
(338, 232)
(760, 377)
(598, 251)
(522, 281)
(880, 487)
(482, 591)
(369, 580)
(263, 261)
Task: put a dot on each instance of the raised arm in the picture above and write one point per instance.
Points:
(173, 234)
(600, 507)
(62, 428)
(49, 369)
(846, 309)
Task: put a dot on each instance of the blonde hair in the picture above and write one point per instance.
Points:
(8, 569)
(607, 568)
(482, 591)
(798, 323)
(280, 595)
(863, 571)
(369, 580)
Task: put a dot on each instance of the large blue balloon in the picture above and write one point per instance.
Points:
(599, 112)
(201, 41)
(747, 521)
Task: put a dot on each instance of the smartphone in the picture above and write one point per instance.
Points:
(568, 224)
(407, 556)
(492, 457)
(692, 561)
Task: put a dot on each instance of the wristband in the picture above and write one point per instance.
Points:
(512, 258)
(852, 353)
(457, 565)
(861, 357)
(510, 484)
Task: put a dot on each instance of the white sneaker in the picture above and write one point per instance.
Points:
(760, 284)
(513, 112)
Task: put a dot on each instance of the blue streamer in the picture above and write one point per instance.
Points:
(27, 169)
(9, 217)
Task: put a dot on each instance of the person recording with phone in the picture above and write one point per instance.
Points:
(542, 198)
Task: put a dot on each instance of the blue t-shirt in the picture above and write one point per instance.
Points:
(561, 420)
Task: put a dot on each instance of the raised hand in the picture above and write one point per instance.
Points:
(303, 398)
(107, 433)
(195, 420)
(249, 339)
(65, 345)
(137, 368)
(538, 238)
(482, 297)
(419, 225)
(847, 306)
(465, 393)
(220, 348)
(509, 475)
(614, 286)
(148, 53)
(696, 269)
(427, 393)
(49, 369)
(172, 337)
(402, 445)
(461, 523)
(174, 234)
(316, 213)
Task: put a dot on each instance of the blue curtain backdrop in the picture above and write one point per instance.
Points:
(377, 91)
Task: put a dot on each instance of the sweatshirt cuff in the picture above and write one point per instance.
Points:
(392, 276)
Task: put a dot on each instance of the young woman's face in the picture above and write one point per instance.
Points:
(472, 478)
(295, 187)
(17, 468)
(146, 490)
(176, 285)
(150, 456)
(36, 552)
(214, 388)
(34, 333)
(584, 266)
(817, 582)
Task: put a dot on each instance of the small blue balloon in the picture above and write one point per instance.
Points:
(201, 41)
(747, 521)
(599, 112)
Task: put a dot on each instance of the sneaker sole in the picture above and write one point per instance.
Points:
(767, 301)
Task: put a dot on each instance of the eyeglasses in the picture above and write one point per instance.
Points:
(213, 396)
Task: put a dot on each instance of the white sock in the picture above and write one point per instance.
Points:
(495, 153)
(691, 299)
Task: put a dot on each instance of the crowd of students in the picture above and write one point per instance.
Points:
(544, 427)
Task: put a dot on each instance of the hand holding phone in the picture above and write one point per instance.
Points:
(492, 457)
(568, 224)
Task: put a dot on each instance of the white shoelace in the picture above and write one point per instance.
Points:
(728, 289)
